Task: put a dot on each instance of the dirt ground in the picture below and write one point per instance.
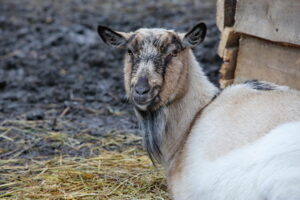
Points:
(57, 75)
(61, 87)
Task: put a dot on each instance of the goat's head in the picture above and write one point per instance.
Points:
(155, 62)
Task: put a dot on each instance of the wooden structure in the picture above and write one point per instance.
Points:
(260, 39)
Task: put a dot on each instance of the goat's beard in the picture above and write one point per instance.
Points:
(153, 124)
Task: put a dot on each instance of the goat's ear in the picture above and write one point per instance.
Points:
(112, 38)
(195, 36)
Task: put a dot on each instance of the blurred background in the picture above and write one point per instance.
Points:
(66, 129)
(61, 87)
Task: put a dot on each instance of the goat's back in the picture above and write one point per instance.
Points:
(241, 115)
(235, 151)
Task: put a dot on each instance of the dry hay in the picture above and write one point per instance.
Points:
(114, 174)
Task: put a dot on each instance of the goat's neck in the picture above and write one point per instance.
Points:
(167, 128)
(181, 114)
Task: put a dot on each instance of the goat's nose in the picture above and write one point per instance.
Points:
(142, 86)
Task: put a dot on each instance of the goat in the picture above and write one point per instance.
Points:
(242, 143)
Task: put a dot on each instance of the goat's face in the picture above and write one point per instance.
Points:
(155, 63)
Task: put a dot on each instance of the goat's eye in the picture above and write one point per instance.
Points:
(129, 51)
(174, 53)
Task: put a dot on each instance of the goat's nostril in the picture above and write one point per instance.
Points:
(142, 86)
(142, 90)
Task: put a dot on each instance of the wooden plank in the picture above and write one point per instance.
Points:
(228, 67)
(275, 20)
(229, 39)
(225, 13)
(264, 60)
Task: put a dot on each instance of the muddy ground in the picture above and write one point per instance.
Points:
(61, 87)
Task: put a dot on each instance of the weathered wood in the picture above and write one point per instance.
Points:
(228, 67)
(229, 39)
(225, 13)
(275, 20)
(224, 83)
(264, 60)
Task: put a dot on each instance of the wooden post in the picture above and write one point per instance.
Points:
(225, 13)
(228, 67)
(260, 39)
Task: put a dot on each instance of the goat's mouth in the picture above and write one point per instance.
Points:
(143, 102)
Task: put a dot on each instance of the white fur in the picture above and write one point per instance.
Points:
(268, 169)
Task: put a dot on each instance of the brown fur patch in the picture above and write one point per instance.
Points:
(175, 82)
(127, 74)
